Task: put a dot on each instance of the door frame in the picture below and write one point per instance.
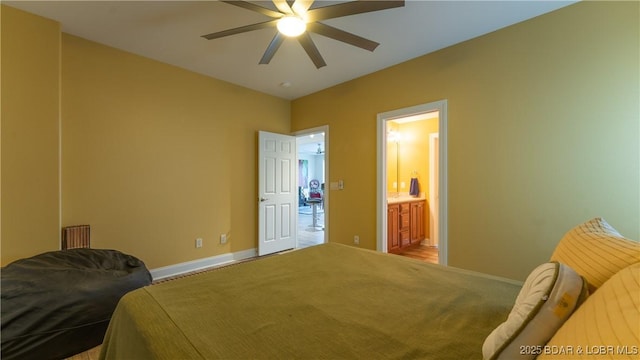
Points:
(381, 207)
(304, 132)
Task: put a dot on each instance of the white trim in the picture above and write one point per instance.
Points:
(201, 264)
(443, 186)
(381, 206)
(60, 137)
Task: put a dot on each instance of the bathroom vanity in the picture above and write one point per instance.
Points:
(405, 223)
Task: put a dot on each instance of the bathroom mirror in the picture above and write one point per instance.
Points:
(408, 154)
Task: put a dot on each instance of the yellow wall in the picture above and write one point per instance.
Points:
(543, 134)
(414, 152)
(30, 132)
(393, 185)
(155, 156)
(414, 157)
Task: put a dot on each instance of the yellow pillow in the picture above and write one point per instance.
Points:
(606, 326)
(596, 251)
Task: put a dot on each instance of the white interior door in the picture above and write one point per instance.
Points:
(277, 192)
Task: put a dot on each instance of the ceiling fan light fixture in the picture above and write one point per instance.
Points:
(291, 26)
(299, 18)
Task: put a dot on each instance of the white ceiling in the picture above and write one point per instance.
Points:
(169, 31)
(308, 144)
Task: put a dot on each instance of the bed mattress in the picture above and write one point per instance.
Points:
(325, 302)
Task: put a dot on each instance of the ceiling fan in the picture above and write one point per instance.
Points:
(296, 19)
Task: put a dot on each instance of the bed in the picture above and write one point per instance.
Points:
(339, 302)
(328, 301)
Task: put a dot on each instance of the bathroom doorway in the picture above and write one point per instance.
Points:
(406, 138)
(312, 168)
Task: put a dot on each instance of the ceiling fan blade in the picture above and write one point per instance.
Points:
(257, 8)
(274, 45)
(283, 6)
(300, 7)
(341, 35)
(311, 49)
(350, 8)
(241, 29)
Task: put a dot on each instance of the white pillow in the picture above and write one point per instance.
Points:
(549, 295)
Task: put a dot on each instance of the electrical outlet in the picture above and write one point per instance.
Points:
(198, 242)
(223, 238)
(356, 240)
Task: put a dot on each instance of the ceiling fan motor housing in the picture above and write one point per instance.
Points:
(298, 19)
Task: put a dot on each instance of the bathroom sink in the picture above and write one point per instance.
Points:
(403, 198)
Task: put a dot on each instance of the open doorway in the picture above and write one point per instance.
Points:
(391, 237)
(312, 194)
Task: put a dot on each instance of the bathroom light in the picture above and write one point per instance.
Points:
(291, 26)
(394, 136)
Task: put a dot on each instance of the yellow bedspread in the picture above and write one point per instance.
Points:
(326, 302)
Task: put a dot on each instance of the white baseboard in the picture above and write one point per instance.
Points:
(201, 264)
